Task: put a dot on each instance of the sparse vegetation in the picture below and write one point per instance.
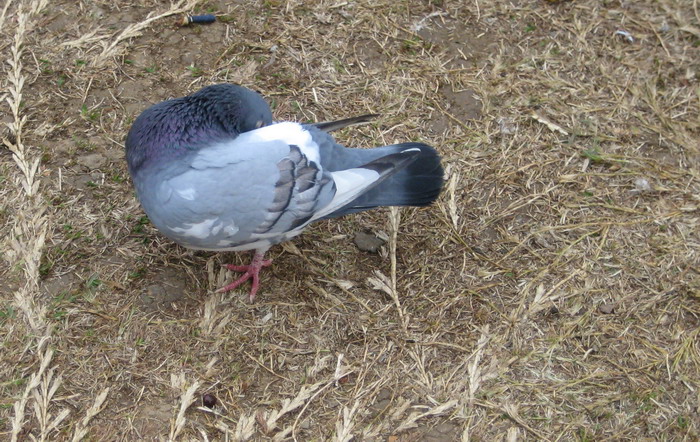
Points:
(195, 71)
(553, 293)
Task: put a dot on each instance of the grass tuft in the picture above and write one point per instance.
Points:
(552, 293)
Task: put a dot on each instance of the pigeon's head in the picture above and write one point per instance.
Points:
(173, 128)
(235, 108)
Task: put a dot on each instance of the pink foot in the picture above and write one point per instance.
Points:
(249, 271)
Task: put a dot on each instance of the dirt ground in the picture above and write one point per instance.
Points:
(552, 293)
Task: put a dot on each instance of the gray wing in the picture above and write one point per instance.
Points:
(296, 193)
(239, 196)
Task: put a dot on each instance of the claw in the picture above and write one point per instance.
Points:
(250, 271)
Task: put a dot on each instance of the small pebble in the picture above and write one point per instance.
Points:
(368, 242)
(606, 309)
(506, 126)
(642, 185)
(209, 400)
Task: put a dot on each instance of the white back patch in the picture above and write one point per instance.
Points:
(290, 133)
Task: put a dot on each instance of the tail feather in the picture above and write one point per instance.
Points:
(417, 183)
(329, 126)
(349, 184)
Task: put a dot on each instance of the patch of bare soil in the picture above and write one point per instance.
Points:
(552, 293)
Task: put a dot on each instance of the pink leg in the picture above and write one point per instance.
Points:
(249, 271)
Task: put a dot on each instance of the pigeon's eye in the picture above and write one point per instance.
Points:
(259, 124)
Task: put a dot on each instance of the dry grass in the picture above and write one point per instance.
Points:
(553, 292)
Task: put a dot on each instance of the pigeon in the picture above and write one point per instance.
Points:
(213, 172)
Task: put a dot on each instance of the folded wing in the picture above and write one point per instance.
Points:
(260, 189)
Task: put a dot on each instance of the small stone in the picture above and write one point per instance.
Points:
(606, 309)
(642, 185)
(97, 12)
(506, 126)
(367, 242)
(209, 400)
